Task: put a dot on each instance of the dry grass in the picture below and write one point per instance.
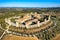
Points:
(14, 37)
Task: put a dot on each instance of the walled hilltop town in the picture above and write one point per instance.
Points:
(28, 20)
(28, 24)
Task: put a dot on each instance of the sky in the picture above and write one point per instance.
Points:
(29, 3)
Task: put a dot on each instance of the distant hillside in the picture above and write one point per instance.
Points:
(18, 9)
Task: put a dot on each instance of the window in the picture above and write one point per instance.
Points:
(34, 23)
(23, 23)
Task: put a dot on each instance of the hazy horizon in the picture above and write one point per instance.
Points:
(29, 3)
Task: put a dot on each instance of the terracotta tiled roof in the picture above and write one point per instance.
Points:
(26, 17)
